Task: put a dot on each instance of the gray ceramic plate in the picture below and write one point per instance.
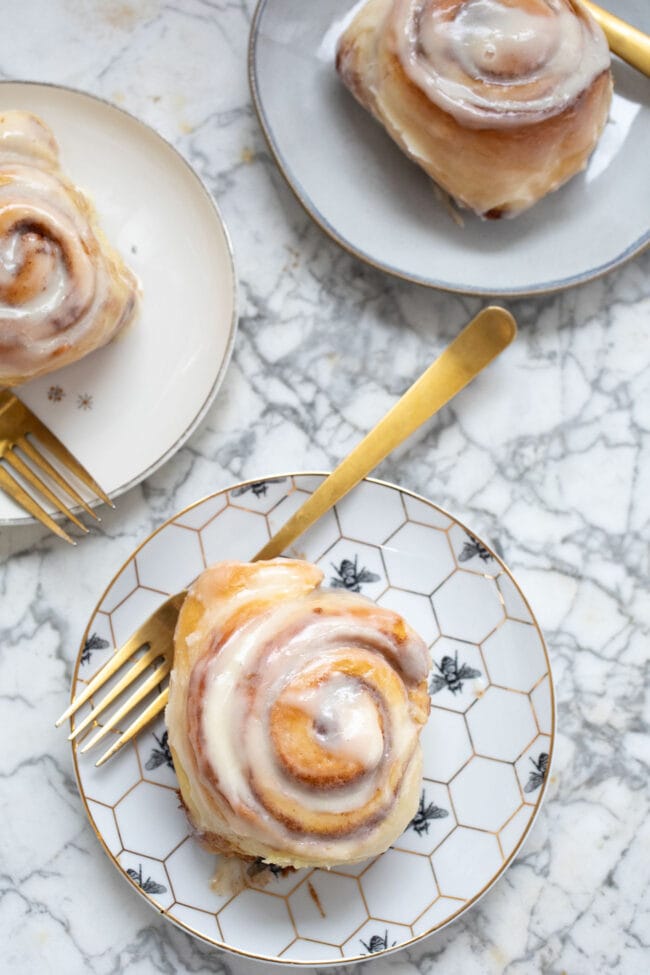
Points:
(365, 194)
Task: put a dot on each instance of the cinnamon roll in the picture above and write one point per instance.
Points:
(63, 290)
(294, 716)
(499, 101)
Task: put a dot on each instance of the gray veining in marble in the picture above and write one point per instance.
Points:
(548, 454)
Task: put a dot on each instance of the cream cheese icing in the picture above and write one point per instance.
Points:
(495, 63)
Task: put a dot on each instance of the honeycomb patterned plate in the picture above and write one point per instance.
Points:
(487, 745)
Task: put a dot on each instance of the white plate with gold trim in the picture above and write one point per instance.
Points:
(365, 194)
(487, 746)
(125, 409)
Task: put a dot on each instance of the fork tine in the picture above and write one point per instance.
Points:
(148, 685)
(25, 500)
(141, 664)
(37, 457)
(35, 481)
(156, 631)
(103, 674)
(63, 455)
(147, 715)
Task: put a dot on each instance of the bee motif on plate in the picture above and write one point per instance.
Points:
(451, 675)
(258, 488)
(472, 548)
(349, 576)
(93, 642)
(149, 886)
(537, 776)
(160, 755)
(260, 866)
(377, 943)
(427, 811)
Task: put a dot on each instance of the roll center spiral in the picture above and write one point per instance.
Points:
(495, 40)
(327, 729)
(27, 262)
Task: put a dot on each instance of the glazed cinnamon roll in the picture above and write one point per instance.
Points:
(499, 101)
(294, 716)
(63, 290)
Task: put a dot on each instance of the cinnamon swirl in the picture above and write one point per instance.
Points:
(294, 716)
(64, 291)
(499, 101)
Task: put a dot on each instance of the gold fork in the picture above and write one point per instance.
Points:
(20, 434)
(486, 336)
(631, 44)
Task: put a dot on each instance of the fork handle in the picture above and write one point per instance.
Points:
(472, 350)
(631, 44)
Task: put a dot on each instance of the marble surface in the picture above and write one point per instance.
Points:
(547, 454)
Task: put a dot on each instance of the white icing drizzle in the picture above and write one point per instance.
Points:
(495, 63)
(54, 254)
(345, 719)
(282, 654)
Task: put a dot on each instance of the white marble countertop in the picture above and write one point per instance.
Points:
(548, 453)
